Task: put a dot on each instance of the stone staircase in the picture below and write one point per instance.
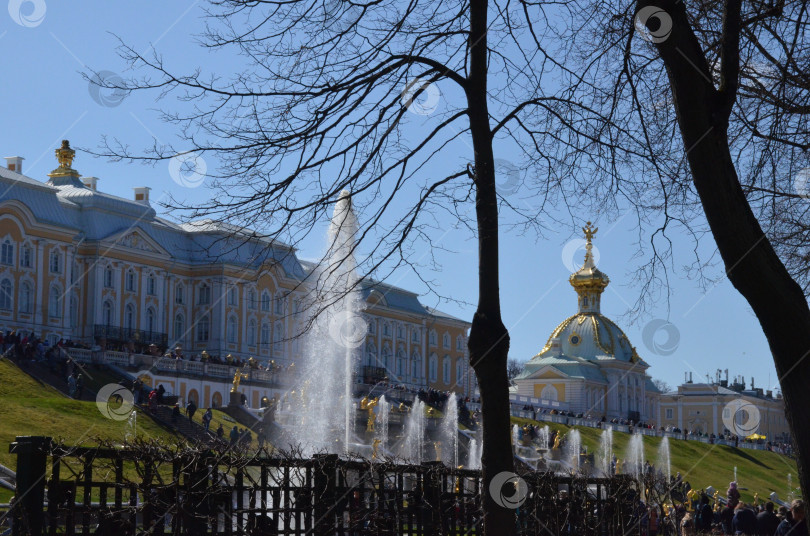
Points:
(191, 430)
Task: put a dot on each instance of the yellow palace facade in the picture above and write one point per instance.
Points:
(91, 267)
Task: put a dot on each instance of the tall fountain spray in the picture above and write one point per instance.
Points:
(336, 331)
(573, 443)
(664, 460)
(383, 414)
(635, 456)
(413, 446)
(449, 432)
(605, 454)
(543, 437)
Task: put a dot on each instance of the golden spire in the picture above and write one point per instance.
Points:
(589, 282)
(589, 231)
(65, 156)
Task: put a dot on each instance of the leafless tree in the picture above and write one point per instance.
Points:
(693, 110)
(332, 95)
(514, 368)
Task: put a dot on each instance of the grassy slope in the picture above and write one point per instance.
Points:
(705, 465)
(28, 407)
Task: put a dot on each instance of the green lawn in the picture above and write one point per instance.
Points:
(32, 408)
(704, 465)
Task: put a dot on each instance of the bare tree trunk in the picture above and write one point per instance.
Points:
(752, 265)
(489, 339)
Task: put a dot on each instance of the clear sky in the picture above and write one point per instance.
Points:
(45, 45)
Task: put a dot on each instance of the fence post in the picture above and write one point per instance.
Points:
(432, 498)
(324, 480)
(32, 456)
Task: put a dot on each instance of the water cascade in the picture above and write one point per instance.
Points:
(635, 456)
(605, 454)
(449, 432)
(413, 446)
(572, 448)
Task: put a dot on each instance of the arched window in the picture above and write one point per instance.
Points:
(400, 331)
(549, 392)
(55, 263)
(151, 285)
(25, 256)
(459, 371)
(251, 299)
(193, 396)
(129, 280)
(433, 337)
(416, 336)
(107, 313)
(179, 327)
(433, 367)
(205, 294)
(446, 369)
(371, 355)
(55, 302)
(7, 252)
(26, 297)
(108, 277)
(265, 337)
(129, 317)
(278, 338)
(203, 328)
(232, 329)
(5, 294)
(150, 320)
(233, 299)
(251, 334)
(372, 326)
(446, 341)
(179, 294)
(416, 368)
(401, 357)
(386, 329)
(460, 343)
(280, 301)
(265, 302)
(216, 400)
(386, 355)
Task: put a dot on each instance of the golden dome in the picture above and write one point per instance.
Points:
(589, 282)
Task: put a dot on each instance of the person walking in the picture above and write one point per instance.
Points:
(72, 386)
(79, 386)
(793, 524)
(234, 435)
(206, 418)
(191, 409)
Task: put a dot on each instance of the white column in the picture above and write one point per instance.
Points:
(714, 416)
(42, 262)
(680, 412)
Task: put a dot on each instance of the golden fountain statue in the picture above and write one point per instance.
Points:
(374, 446)
(368, 404)
(237, 378)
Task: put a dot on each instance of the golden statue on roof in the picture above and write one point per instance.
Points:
(589, 231)
(237, 378)
(65, 156)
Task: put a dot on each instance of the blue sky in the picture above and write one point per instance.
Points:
(45, 100)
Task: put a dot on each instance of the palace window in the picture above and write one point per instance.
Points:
(232, 297)
(55, 302)
(278, 338)
(251, 299)
(232, 329)
(129, 317)
(433, 337)
(459, 371)
(5, 294)
(446, 369)
(74, 312)
(401, 364)
(179, 327)
(130, 281)
(433, 367)
(446, 341)
(55, 263)
(279, 304)
(265, 337)
(251, 334)
(26, 297)
(386, 329)
(25, 256)
(386, 354)
(400, 331)
(417, 365)
(107, 313)
(266, 301)
(150, 320)
(415, 335)
(151, 285)
(203, 328)
(460, 343)
(179, 294)
(372, 326)
(549, 392)
(669, 413)
(7, 252)
(74, 272)
(205, 294)
(108, 277)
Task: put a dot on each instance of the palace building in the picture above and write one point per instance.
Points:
(588, 362)
(95, 268)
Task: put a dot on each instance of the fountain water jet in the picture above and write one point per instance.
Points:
(605, 454)
(449, 432)
(635, 456)
(664, 461)
(571, 449)
(414, 443)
